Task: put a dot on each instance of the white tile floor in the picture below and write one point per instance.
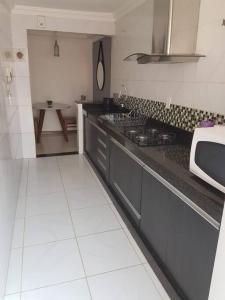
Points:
(54, 142)
(70, 242)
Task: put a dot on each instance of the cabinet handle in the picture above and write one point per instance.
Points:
(96, 126)
(131, 155)
(138, 216)
(184, 198)
(102, 154)
(102, 143)
(101, 164)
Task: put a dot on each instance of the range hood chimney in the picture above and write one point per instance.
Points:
(175, 30)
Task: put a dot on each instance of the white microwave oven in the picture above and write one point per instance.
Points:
(207, 159)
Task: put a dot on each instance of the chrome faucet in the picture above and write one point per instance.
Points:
(123, 88)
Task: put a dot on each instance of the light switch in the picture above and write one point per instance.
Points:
(41, 21)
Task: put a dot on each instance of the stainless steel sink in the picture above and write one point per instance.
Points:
(124, 119)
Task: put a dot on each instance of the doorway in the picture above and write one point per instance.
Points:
(60, 74)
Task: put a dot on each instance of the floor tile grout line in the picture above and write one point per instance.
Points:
(75, 238)
(89, 207)
(24, 229)
(53, 285)
(48, 243)
(47, 214)
(97, 233)
(75, 233)
(92, 171)
(68, 239)
(123, 229)
(112, 204)
(109, 205)
(116, 270)
(44, 194)
(106, 196)
(66, 211)
(15, 248)
(80, 278)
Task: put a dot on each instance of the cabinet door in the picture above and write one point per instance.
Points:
(125, 178)
(183, 242)
(195, 250)
(102, 153)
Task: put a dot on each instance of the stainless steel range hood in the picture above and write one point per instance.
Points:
(175, 30)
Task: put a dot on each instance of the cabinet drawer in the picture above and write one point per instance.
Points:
(103, 166)
(125, 179)
(102, 142)
(102, 137)
(102, 154)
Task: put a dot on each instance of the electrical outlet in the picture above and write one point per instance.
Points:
(168, 102)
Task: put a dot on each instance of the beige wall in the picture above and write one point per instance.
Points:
(199, 85)
(26, 18)
(62, 79)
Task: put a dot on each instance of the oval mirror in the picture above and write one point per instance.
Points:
(100, 76)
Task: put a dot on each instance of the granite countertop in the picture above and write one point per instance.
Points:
(87, 102)
(172, 163)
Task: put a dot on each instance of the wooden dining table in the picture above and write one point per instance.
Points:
(57, 107)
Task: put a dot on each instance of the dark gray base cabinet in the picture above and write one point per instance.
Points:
(184, 242)
(96, 144)
(125, 179)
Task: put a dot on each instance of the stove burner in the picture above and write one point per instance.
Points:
(143, 136)
(132, 132)
(167, 136)
(152, 131)
(142, 140)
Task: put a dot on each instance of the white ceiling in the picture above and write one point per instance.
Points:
(108, 6)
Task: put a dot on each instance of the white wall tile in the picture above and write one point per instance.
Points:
(10, 149)
(29, 149)
(26, 119)
(23, 92)
(187, 83)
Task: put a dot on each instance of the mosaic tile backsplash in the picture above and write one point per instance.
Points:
(179, 116)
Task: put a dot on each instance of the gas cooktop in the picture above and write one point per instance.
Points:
(149, 136)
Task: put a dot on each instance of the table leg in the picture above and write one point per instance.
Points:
(40, 124)
(62, 122)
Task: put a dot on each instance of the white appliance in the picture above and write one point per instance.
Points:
(207, 159)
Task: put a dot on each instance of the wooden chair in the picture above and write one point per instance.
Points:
(70, 123)
(36, 127)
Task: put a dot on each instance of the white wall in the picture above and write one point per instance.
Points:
(56, 20)
(199, 85)
(63, 79)
(10, 151)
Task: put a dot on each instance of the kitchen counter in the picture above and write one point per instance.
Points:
(171, 163)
